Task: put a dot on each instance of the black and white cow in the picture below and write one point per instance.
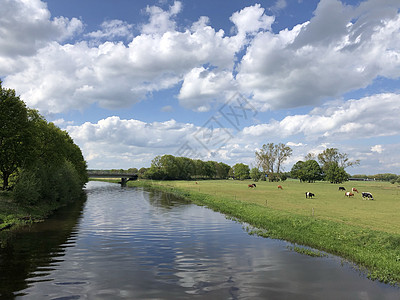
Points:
(341, 188)
(309, 195)
(367, 195)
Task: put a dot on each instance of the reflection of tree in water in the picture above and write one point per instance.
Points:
(32, 251)
(165, 200)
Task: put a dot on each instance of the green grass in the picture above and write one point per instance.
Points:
(14, 214)
(365, 232)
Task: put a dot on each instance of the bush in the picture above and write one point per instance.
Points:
(48, 184)
(27, 188)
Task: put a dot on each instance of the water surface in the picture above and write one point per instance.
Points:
(129, 243)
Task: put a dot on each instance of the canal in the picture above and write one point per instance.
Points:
(131, 243)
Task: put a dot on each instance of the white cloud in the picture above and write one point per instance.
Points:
(200, 85)
(122, 142)
(112, 29)
(352, 120)
(252, 19)
(161, 21)
(60, 77)
(377, 148)
(26, 26)
(327, 56)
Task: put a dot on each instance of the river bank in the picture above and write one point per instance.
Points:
(14, 214)
(374, 252)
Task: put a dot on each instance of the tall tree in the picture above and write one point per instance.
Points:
(271, 157)
(14, 133)
(331, 155)
(241, 171)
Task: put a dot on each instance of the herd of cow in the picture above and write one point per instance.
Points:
(367, 195)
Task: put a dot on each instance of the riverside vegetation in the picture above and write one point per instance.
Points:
(364, 232)
(41, 167)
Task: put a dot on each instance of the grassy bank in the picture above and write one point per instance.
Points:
(364, 232)
(16, 214)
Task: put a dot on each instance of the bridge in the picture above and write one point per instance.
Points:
(125, 177)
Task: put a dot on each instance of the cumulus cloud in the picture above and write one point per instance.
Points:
(27, 26)
(340, 49)
(377, 148)
(61, 77)
(351, 120)
(252, 19)
(200, 85)
(161, 21)
(111, 30)
(128, 141)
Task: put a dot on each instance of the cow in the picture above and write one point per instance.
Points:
(349, 194)
(252, 185)
(280, 187)
(341, 188)
(367, 195)
(354, 190)
(309, 195)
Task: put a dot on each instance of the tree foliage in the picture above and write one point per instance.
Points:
(308, 171)
(14, 134)
(241, 171)
(332, 155)
(169, 167)
(270, 159)
(48, 165)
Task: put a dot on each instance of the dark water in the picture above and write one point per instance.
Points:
(133, 244)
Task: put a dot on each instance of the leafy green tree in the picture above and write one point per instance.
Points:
(186, 167)
(298, 170)
(311, 171)
(222, 170)
(255, 174)
(336, 174)
(331, 155)
(210, 170)
(241, 171)
(270, 159)
(333, 164)
(14, 134)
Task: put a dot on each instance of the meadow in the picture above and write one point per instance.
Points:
(364, 232)
(382, 213)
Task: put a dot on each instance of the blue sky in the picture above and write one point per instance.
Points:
(214, 80)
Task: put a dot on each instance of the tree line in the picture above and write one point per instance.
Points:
(269, 160)
(38, 160)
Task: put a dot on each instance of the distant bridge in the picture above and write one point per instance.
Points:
(125, 177)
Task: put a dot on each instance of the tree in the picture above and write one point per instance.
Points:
(297, 170)
(334, 163)
(209, 169)
(14, 134)
(271, 157)
(222, 170)
(311, 171)
(335, 173)
(255, 174)
(241, 171)
(331, 155)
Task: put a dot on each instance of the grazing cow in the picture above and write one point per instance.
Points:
(341, 188)
(367, 195)
(354, 190)
(252, 185)
(280, 187)
(349, 194)
(309, 195)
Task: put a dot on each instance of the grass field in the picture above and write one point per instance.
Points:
(366, 232)
(381, 214)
